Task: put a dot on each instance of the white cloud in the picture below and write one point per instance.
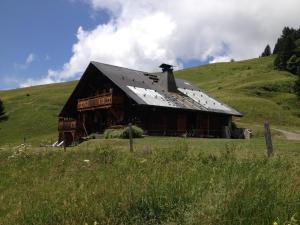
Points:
(33, 82)
(142, 34)
(220, 59)
(30, 58)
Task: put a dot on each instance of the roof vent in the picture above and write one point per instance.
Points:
(152, 77)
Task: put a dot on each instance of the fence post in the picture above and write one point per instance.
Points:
(130, 137)
(268, 139)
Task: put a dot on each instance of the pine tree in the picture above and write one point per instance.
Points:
(297, 86)
(267, 51)
(277, 46)
(2, 112)
(285, 54)
(297, 83)
(298, 71)
(286, 32)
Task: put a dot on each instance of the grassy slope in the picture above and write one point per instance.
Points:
(251, 86)
(165, 181)
(33, 116)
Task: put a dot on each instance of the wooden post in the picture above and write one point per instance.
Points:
(268, 139)
(130, 138)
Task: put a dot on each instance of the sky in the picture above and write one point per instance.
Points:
(53, 41)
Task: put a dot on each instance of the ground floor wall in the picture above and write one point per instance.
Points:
(154, 121)
(190, 123)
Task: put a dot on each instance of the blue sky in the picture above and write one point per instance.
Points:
(53, 41)
(38, 35)
(45, 29)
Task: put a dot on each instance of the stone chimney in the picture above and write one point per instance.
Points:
(167, 81)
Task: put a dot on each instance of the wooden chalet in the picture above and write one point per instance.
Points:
(108, 96)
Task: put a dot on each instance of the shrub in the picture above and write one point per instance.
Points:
(123, 132)
(3, 115)
(136, 132)
(297, 87)
(113, 133)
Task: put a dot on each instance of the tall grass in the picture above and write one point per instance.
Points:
(169, 186)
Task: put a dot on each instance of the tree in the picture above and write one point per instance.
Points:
(298, 71)
(297, 83)
(3, 115)
(286, 32)
(297, 87)
(267, 51)
(285, 54)
(277, 46)
(293, 64)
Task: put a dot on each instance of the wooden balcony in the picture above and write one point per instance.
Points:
(67, 125)
(100, 101)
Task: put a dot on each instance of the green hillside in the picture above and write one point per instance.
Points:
(33, 112)
(165, 180)
(252, 87)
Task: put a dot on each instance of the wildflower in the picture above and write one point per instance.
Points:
(96, 223)
(143, 160)
(275, 223)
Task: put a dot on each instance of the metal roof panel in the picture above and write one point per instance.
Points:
(144, 89)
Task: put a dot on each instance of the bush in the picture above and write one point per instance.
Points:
(113, 133)
(297, 87)
(3, 115)
(123, 133)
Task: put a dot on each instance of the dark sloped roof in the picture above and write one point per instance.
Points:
(145, 89)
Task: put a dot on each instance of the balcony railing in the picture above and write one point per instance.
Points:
(99, 101)
(67, 125)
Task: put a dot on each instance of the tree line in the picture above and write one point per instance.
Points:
(287, 51)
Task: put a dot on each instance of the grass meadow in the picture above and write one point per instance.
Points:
(164, 181)
(252, 87)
